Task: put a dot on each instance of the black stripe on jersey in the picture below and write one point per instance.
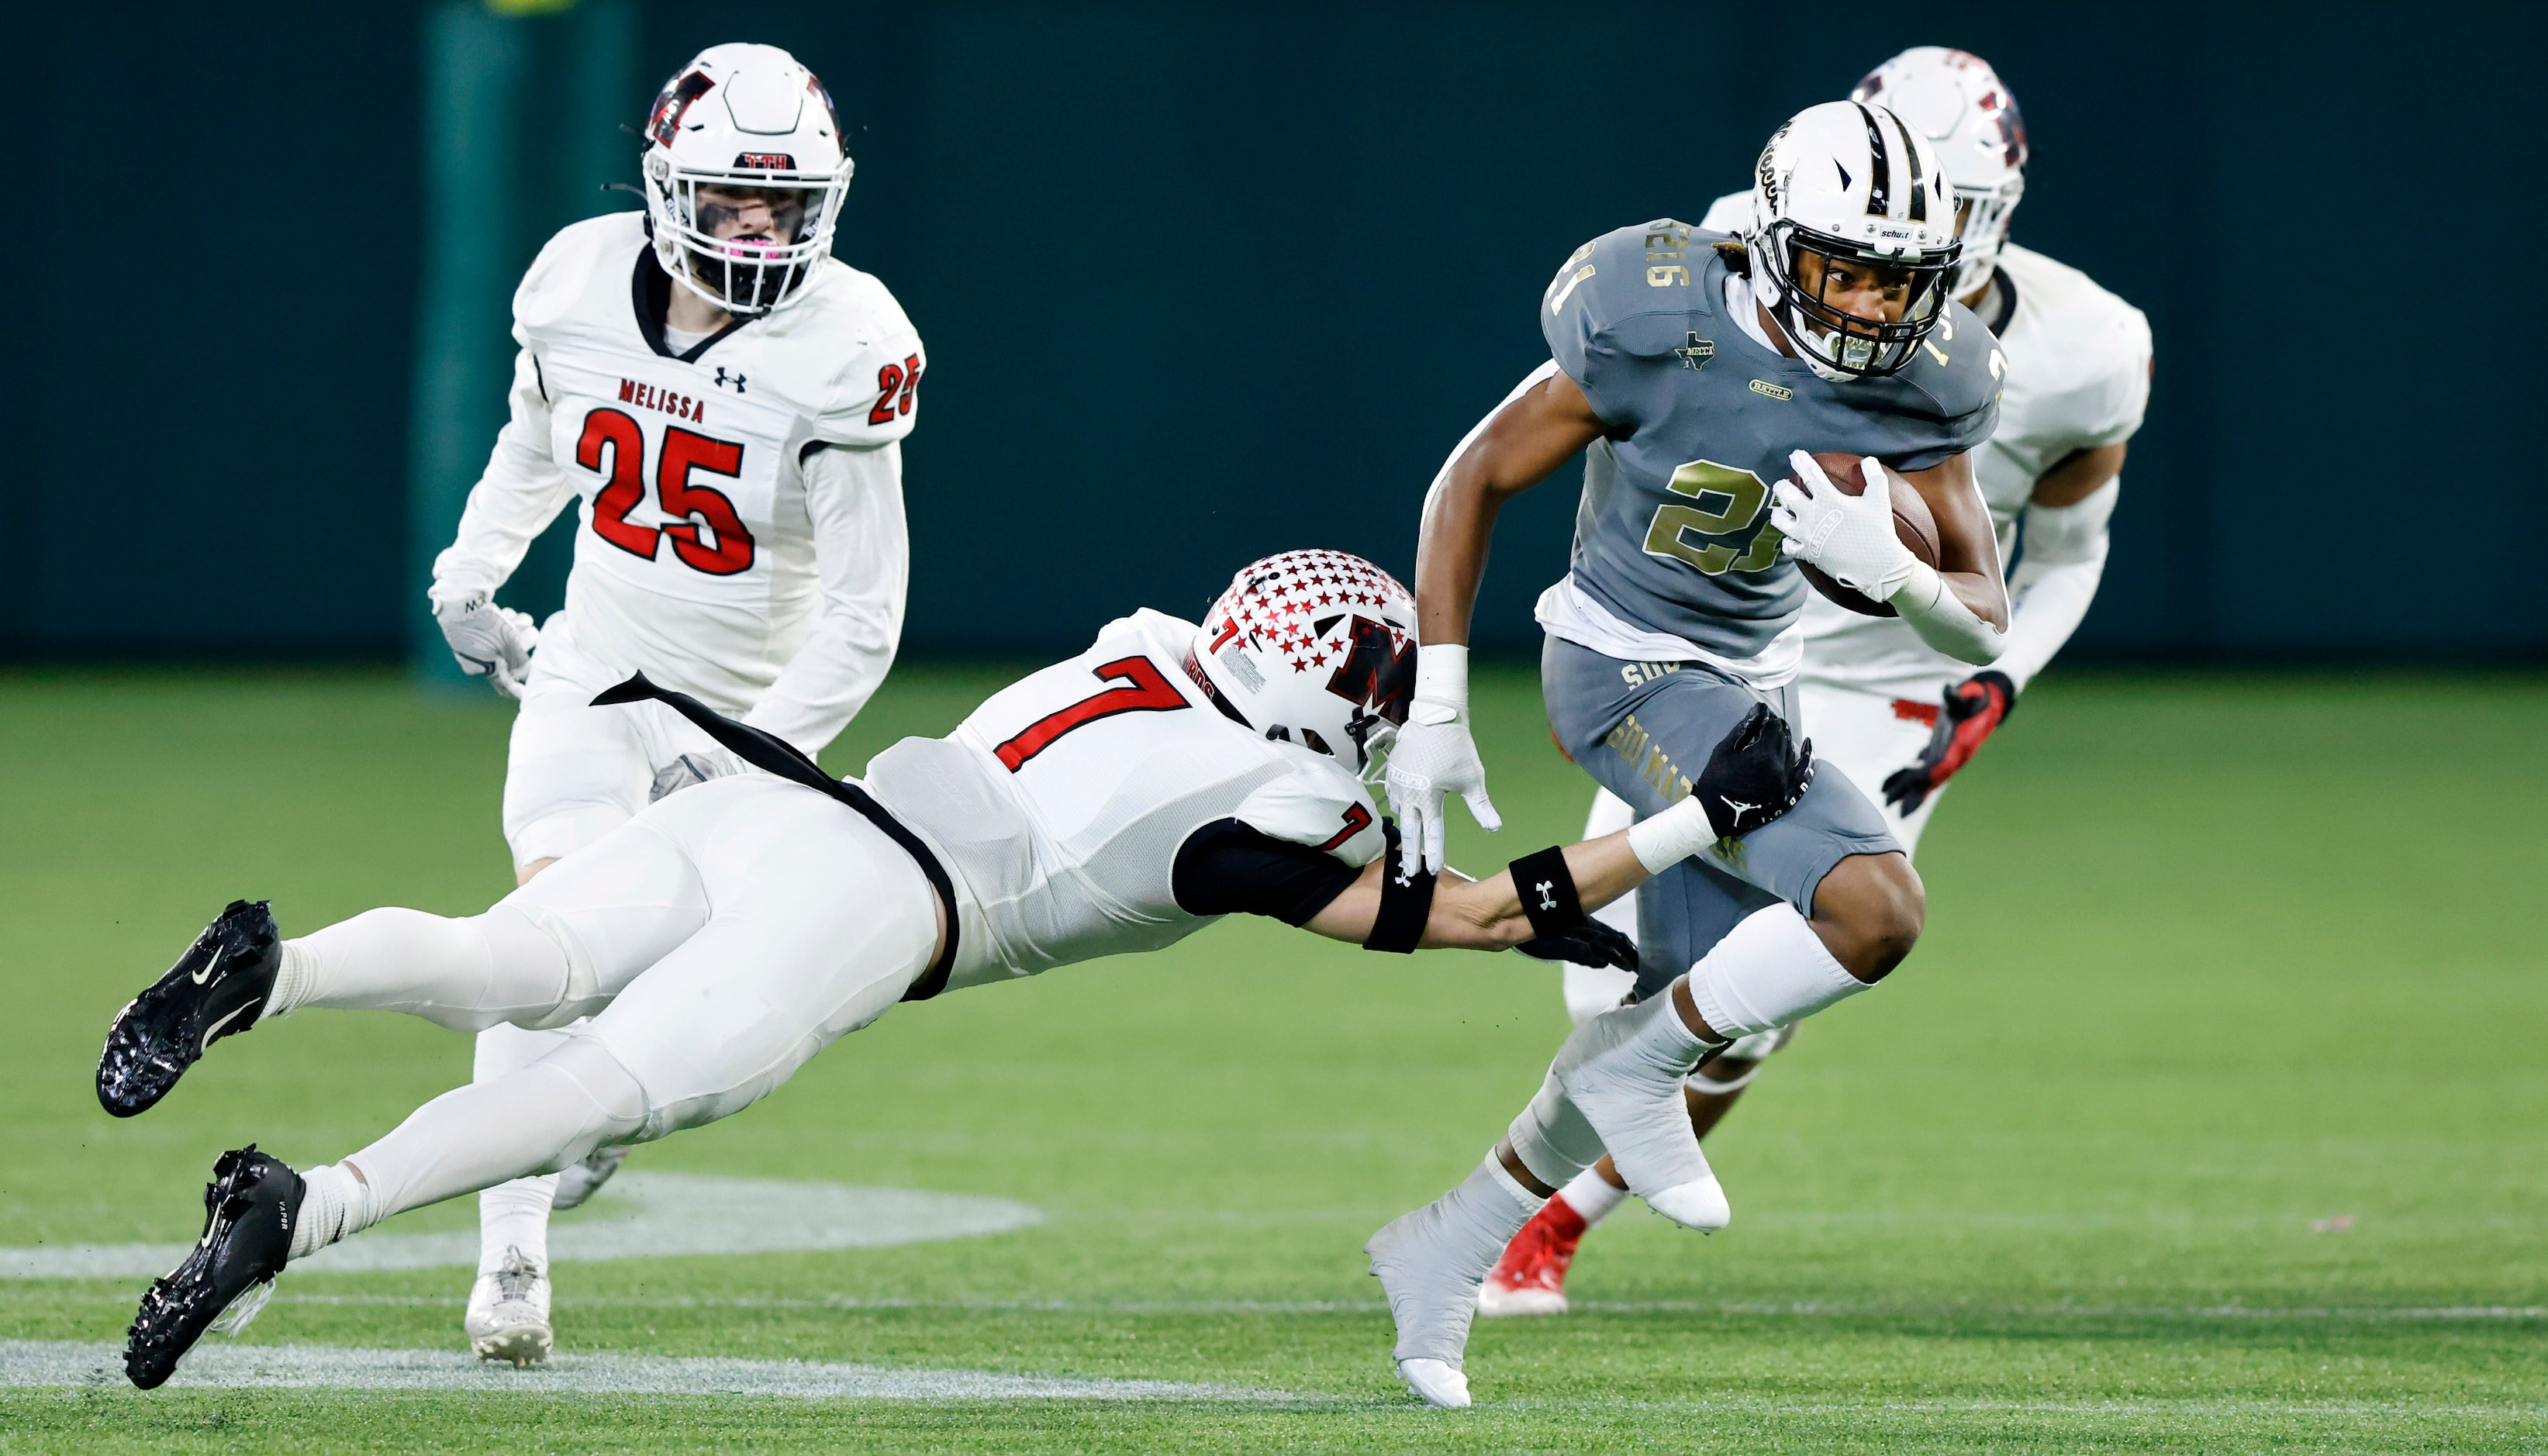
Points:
(650, 294)
(1919, 193)
(1880, 178)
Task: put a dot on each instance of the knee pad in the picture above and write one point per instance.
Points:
(1552, 1138)
(618, 1100)
(529, 945)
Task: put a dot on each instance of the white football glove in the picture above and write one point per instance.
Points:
(490, 641)
(1434, 756)
(1849, 537)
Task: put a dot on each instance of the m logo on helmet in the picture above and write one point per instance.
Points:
(674, 104)
(1377, 673)
(765, 161)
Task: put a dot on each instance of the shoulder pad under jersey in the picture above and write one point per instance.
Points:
(1956, 374)
(1624, 302)
(2085, 353)
(596, 251)
(1319, 804)
(1728, 214)
(850, 348)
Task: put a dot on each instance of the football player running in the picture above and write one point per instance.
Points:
(1116, 802)
(1888, 710)
(1694, 370)
(725, 401)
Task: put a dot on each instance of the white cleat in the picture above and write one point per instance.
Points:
(584, 1179)
(508, 1313)
(1622, 1070)
(1700, 1205)
(1441, 1385)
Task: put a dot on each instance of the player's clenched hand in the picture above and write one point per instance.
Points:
(489, 641)
(1756, 773)
(1434, 756)
(1973, 709)
(1849, 537)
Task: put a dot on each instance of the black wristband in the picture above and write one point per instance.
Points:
(1547, 890)
(1405, 904)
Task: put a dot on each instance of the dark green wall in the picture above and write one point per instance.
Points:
(1201, 283)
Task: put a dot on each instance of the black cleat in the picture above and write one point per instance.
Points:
(215, 989)
(249, 1209)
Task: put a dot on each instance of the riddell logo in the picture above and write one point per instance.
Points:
(765, 161)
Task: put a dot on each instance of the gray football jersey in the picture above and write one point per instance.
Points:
(1673, 534)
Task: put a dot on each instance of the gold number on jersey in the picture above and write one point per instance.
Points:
(1728, 500)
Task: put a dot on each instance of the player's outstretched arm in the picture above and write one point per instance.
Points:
(1538, 428)
(1484, 914)
(1756, 773)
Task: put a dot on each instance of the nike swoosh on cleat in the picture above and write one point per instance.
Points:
(214, 1030)
(211, 965)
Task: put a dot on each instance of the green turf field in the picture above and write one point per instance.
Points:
(2211, 1115)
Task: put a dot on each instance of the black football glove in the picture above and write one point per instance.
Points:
(1756, 773)
(1973, 709)
(1589, 944)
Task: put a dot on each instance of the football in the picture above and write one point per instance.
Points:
(1911, 522)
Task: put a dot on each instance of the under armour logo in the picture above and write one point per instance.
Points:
(1547, 899)
(722, 381)
(1697, 352)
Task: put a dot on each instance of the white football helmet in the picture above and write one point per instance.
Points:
(744, 118)
(1956, 100)
(1311, 647)
(1847, 190)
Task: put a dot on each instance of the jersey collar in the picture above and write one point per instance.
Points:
(650, 293)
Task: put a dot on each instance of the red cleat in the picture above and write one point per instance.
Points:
(1530, 1279)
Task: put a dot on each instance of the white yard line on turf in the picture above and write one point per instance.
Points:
(642, 1214)
(2366, 1312)
(223, 1366)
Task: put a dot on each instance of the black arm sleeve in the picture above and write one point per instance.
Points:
(1228, 867)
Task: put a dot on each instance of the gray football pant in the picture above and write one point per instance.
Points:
(1644, 731)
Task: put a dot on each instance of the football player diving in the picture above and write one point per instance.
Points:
(1695, 371)
(701, 953)
(1895, 715)
(726, 401)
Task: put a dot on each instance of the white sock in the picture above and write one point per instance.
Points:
(468, 973)
(334, 1204)
(1769, 970)
(514, 1216)
(1591, 1196)
(1484, 1214)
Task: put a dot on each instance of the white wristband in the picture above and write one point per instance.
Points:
(1442, 675)
(1943, 620)
(1671, 835)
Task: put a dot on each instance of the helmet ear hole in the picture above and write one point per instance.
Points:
(1310, 739)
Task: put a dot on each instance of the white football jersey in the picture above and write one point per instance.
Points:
(694, 560)
(1060, 806)
(2078, 377)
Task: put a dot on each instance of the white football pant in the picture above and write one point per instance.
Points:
(717, 941)
(573, 773)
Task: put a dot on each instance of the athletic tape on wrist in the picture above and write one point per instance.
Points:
(1405, 904)
(1547, 890)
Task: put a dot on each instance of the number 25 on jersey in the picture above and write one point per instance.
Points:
(706, 533)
